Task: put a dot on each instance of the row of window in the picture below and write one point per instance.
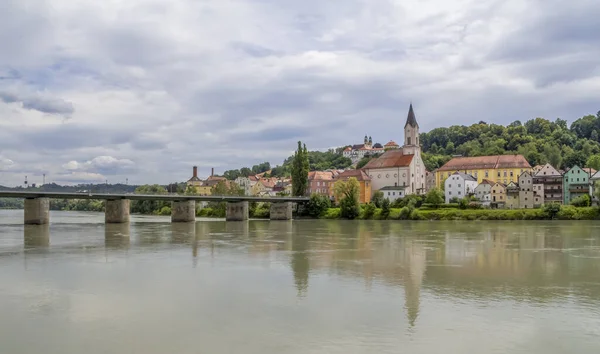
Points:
(474, 173)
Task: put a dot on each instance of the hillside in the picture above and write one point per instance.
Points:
(539, 140)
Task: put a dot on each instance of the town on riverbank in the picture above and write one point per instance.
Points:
(536, 170)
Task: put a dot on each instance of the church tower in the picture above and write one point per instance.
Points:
(411, 134)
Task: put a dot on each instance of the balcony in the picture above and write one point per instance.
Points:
(579, 189)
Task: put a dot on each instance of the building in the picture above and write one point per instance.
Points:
(530, 195)
(594, 182)
(321, 182)
(363, 180)
(497, 168)
(401, 167)
(459, 185)
(499, 194)
(429, 181)
(358, 151)
(246, 183)
(576, 183)
(483, 190)
(512, 196)
(392, 193)
(195, 181)
(552, 181)
(391, 145)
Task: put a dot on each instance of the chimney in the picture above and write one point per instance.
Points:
(212, 171)
(195, 171)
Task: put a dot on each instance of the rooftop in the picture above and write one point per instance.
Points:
(485, 162)
(358, 174)
(390, 158)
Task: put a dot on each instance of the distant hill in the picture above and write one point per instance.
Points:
(97, 188)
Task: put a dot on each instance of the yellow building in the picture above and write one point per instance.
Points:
(363, 180)
(497, 168)
(499, 193)
(194, 181)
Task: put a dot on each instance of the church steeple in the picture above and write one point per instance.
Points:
(411, 133)
(411, 119)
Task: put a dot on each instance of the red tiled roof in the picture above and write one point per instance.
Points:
(320, 175)
(358, 174)
(348, 149)
(487, 181)
(391, 143)
(482, 162)
(391, 158)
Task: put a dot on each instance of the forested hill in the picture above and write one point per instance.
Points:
(96, 188)
(539, 140)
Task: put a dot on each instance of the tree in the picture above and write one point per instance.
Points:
(377, 199)
(363, 162)
(583, 201)
(552, 155)
(190, 190)
(594, 162)
(300, 168)
(347, 194)
(149, 206)
(577, 158)
(385, 208)
(435, 197)
(317, 205)
(597, 188)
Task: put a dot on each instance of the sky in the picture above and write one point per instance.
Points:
(145, 89)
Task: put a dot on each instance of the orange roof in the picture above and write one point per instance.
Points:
(358, 174)
(268, 182)
(391, 143)
(487, 181)
(320, 175)
(483, 162)
(391, 158)
(589, 170)
(348, 149)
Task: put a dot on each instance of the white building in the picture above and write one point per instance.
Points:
(483, 191)
(595, 178)
(246, 183)
(401, 167)
(459, 185)
(358, 151)
(392, 193)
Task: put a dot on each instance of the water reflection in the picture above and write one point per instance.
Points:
(117, 236)
(182, 232)
(36, 236)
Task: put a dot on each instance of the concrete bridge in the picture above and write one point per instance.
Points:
(183, 207)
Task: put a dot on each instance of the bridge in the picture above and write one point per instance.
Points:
(183, 207)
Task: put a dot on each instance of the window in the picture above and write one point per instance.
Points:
(504, 173)
(512, 173)
(528, 181)
(498, 173)
(458, 192)
(449, 193)
(486, 174)
(459, 185)
(408, 140)
(393, 193)
(449, 186)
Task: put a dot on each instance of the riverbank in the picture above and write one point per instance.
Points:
(564, 213)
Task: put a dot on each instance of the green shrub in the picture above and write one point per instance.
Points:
(583, 201)
(568, 212)
(204, 212)
(368, 211)
(378, 199)
(428, 206)
(551, 210)
(385, 209)
(332, 213)
(463, 203)
(317, 205)
(166, 210)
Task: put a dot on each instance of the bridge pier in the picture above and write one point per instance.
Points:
(37, 211)
(183, 211)
(117, 211)
(281, 211)
(237, 211)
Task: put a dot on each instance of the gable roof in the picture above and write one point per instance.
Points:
(465, 176)
(358, 174)
(487, 181)
(596, 175)
(485, 162)
(320, 175)
(411, 119)
(549, 170)
(390, 158)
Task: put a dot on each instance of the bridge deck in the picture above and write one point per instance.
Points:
(131, 196)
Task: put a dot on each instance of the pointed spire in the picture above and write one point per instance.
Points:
(411, 119)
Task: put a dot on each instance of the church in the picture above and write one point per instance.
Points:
(402, 168)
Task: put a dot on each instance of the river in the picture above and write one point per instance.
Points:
(306, 286)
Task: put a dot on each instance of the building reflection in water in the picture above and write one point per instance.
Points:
(117, 236)
(300, 262)
(36, 236)
(182, 232)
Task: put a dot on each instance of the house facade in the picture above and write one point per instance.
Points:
(497, 168)
(552, 181)
(459, 185)
(512, 196)
(401, 167)
(392, 193)
(321, 182)
(576, 183)
(594, 185)
(530, 195)
(364, 182)
(246, 183)
(498, 194)
(483, 190)
(358, 151)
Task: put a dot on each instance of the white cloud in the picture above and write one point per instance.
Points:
(5, 163)
(231, 83)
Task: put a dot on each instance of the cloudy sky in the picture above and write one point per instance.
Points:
(144, 89)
